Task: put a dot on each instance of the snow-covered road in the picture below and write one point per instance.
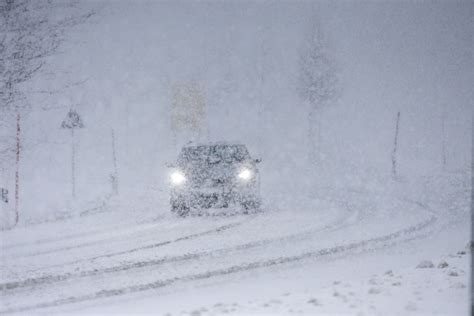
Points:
(89, 263)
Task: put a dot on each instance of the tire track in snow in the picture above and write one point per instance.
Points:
(119, 237)
(152, 224)
(31, 282)
(150, 246)
(363, 245)
(148, 226)
(251, 216)
(56, 278)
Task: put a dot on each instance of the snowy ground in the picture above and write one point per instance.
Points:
(351, 250)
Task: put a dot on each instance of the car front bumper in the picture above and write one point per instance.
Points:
(213, 197)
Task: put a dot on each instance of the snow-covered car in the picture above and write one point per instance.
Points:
(214, 175)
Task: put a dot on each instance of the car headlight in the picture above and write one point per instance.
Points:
(245, 174)
(177, 177)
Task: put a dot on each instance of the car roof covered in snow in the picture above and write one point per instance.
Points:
(217, 143)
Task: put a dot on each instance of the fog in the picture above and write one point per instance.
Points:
(117, 70)
(409, 57)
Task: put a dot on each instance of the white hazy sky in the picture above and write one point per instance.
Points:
(413, 57)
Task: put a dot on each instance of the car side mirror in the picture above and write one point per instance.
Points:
(169, 165)
(258, 160)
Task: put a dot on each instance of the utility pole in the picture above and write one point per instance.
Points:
(395, 147)
(17, 170)
(114, 159)
(443, 136)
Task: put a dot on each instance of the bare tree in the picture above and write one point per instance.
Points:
(30, 34)
(443, 137)
(188, 112)
(262, 68)
(318, 83)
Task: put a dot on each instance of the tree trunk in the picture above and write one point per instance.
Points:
(312, 149)
(115, 181)
(261, 96)
(17, 170)
(318, 138)
(314, 135)
(395, 147)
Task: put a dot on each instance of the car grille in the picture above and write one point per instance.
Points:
(209, 182)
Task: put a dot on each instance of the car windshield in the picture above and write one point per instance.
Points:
(213, 154)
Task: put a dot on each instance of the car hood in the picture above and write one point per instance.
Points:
(206, 174)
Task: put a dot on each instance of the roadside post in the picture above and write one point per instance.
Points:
(71, 122)
(4, 195)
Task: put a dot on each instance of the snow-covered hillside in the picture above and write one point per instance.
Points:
(352, 251)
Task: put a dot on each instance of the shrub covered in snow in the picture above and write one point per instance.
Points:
(425, 264)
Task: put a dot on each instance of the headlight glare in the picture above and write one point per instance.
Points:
(245, 174)
(177, 177)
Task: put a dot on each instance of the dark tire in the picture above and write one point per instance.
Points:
(179, 209)
(183, 212)
(251, 205)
